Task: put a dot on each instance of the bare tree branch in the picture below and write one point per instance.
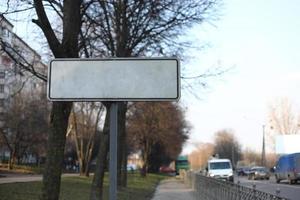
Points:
(46, 27)
(22, 62)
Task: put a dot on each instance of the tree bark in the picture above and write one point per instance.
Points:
(122, 145)
(145, 156)
(12, 159)
(101, 163)
(124, 164)
(87, 167)
(55, 150)
(60, 112)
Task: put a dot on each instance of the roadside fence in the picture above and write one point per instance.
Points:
(207, 188)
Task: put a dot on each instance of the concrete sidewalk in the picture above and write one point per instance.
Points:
(173, 189)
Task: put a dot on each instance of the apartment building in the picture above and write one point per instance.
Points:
(17, 58)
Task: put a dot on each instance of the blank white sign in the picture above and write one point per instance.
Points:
(122, 79)
(286, 144)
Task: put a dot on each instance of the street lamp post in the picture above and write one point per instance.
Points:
(232, 155)
(263, 152)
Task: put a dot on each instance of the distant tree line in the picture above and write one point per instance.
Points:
(158, 130)
(25, 128)
(226, 145)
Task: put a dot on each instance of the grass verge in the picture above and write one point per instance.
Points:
(78, 188)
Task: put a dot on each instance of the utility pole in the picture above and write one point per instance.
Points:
(232, 156)
(263, 152)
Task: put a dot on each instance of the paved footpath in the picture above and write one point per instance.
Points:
(173, 189)
(26, 178)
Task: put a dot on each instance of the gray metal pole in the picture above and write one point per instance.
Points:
(263, 152)
(113, 147)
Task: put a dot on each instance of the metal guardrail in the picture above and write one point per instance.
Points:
(207, 188)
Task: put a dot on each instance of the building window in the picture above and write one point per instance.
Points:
(2, 75)
(6, 34)
(2, 116)
(2, 102)
(1, 88)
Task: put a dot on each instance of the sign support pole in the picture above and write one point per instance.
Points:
(113, 147)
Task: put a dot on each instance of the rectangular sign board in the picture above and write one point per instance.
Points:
(115, 79)
(286, 144)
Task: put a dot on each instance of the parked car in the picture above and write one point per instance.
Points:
(259, 173)
(288, 168)
(243, 171)
(166, 170)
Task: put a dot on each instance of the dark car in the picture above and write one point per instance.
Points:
(259, 173)
(243, 171)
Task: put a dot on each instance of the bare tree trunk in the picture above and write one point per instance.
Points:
(55, 150)
(122, 145)
(12, 159)
(10, 163)
(88, 160)
(124, 165)
(144, 170)
(122, 34)
(145, 157)
(79, 148)
(97, 184)
(87, 165)
(60, 112)
(81, 167)
(124, 153)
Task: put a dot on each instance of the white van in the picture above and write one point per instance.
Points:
(220, 169)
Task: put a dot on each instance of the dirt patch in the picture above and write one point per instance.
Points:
(4, 172)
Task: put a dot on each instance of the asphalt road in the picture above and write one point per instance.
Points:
(291, 192)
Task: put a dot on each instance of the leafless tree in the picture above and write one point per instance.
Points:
(250, 157)
(83, 126)
(25, 127)
(227, 146)
(66, 46)
(141, 28)
(283, 119)
(157, 125)
(199, 157)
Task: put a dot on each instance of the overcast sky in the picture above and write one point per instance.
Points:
(260, 40)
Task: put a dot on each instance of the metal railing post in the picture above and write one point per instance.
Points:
(254, 191)
(278, 192)
(238, 188)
